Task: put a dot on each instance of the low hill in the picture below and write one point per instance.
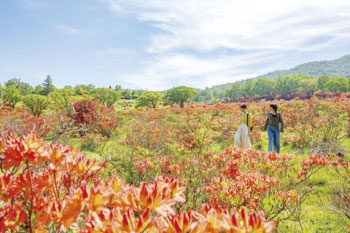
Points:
(337, 67)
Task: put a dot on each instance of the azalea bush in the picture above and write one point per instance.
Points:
(338, 200)
(51, 188)
(95, 116)
(22, 122)
(85, 112)
(276, 185)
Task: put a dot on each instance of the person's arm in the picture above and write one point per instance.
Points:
(282, 123)
(266, 123)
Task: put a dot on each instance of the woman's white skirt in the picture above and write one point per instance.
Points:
(241, 139)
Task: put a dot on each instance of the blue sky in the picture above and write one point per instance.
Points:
(158, 44)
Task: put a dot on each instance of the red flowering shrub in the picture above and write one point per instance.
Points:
(250, 178)
(107, 120)
(22, 122)
(47, 188)
(236, 178)
(40, 183)
(85, 112)
(97, 117)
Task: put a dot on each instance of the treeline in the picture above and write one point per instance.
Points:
(209, 95)
(48, 87)
(37, 99)
(289, 85)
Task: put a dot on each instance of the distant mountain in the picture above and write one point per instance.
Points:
(337, 67)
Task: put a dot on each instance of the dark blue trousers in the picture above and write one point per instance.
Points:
(274, 138)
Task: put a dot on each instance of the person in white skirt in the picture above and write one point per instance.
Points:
(241, 139)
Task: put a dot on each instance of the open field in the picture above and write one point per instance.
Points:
(297, 192)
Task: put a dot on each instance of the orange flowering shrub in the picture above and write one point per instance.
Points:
(107, 120)
(274, 184)
(22, 122)
(45, 188)
(260, 181)
(40, 183)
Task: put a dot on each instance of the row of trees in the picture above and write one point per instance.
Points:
(15, 91)
(304, 84)
(48, 87)
(39, 98)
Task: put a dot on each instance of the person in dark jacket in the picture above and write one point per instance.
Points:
(274, 125)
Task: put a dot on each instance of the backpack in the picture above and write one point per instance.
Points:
(251, 128)
(279, 122)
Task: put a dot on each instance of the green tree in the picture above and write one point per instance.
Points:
(287, 85)
(2, 100)
(62, 98)
(149, 99)
(235, 92)
(180, 95)
(264, 86)
(13, 95)
(219, 93)
(84, 89)
(25, 88)
(48, 86)
(308, 86)
(118, 88)
(126, 92)
(137, 93)
(204, 95)
(13, 82)
(248, 88)
(321, 82)
(10, 95)
(38, 90)
(36, 104)
(107, 96)
(337, 84)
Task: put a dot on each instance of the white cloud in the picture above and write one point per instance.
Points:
(179, 69)
(207, 24)
(279, 29)
(72, 30)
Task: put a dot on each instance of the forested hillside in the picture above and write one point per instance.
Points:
(295, 84)
(337, 67)
(271, 85)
